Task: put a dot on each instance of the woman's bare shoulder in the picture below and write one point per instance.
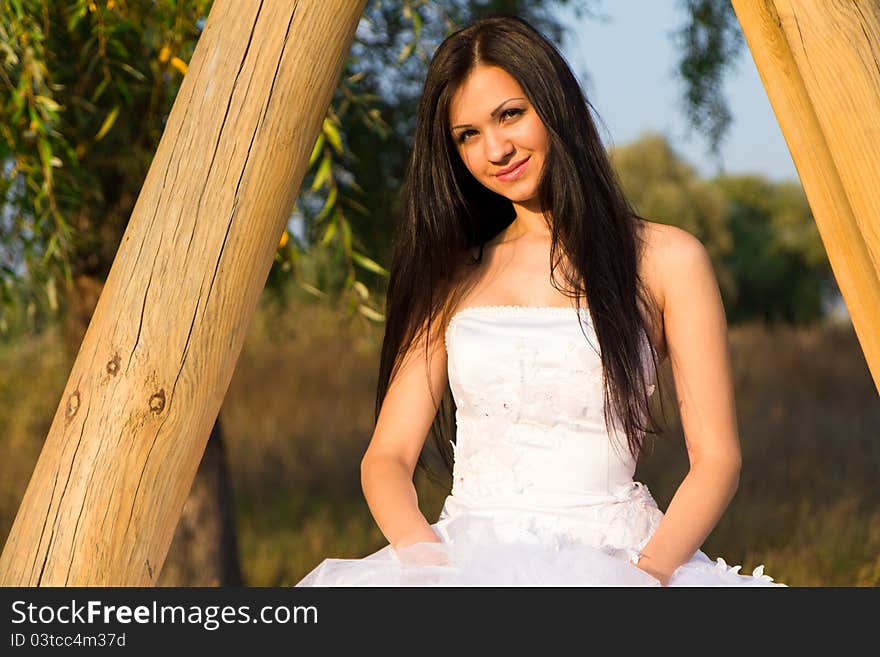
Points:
(665, 245)
(663, 237)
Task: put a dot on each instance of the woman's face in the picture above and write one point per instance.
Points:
(494, 126)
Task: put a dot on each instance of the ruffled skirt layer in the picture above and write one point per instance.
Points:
(592, 545)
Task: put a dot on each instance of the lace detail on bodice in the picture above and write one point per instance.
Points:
(528, 387)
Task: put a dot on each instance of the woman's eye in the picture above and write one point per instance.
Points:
(513, 111)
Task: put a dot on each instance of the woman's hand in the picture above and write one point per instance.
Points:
(428, 553)
(658, 574)
(422, 547)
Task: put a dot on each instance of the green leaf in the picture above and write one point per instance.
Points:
(322, 174)
(45, 151)
(123, 90)
(332, 135)
(51, 247)
(361, 290)
(357, 206)
(76, 17)
(406, 52)
(417, 24)
(47, 102)
(369, 264)
(18, 103)
(108, 123)
(99, 90)
(316, 151)
(369, 313)
(328, 234)
(311, 289)
(328, 204)
(52, 294)
(133, 72)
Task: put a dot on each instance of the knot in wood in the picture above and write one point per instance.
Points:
(113, 365)
(157, 401)
(72, 404)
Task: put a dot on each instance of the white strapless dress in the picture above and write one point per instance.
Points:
(542, 495)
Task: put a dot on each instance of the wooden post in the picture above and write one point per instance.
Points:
(818, 60)
(148, 381)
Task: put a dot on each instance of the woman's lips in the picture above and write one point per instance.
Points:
(516, 172)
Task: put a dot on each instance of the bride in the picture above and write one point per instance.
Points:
(539, 403)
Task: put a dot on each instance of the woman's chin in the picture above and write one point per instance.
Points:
(521, 197)
(527, 200)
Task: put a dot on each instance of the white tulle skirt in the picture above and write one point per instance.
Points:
(595, 546)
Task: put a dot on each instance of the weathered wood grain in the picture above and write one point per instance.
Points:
(158, 356)
(819, 61)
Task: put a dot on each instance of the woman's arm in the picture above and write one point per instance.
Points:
(696, 337)
(402, 426)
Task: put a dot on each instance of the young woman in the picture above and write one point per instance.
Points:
(538, 403)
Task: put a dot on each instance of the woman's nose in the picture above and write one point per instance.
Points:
(498, 147)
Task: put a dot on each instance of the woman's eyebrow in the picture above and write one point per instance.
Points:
(493, 114)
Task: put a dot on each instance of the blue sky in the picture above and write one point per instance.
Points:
(627, 68)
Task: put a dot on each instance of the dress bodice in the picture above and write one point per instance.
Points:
(527, 383)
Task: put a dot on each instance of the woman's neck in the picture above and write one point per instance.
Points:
(528, 227)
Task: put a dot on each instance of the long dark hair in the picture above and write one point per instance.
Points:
(447, 213)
